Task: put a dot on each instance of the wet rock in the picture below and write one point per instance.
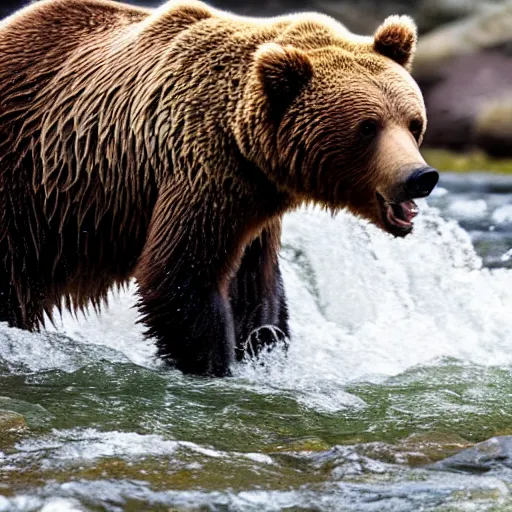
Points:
(310, 444)
(12, 427)
(11, 421)
(345, 461)
(494, 453)
(415, 450)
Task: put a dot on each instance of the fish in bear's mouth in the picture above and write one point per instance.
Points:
(397, 216)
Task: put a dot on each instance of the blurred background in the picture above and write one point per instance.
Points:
(463, 64)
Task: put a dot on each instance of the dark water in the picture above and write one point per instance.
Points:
(483, 206)
(401, 357)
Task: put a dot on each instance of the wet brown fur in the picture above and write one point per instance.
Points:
(164, 144)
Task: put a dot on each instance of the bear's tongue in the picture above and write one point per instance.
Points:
(401, 214)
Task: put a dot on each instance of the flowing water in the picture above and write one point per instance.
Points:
(401, 356)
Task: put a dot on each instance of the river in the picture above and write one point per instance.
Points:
(401, 356)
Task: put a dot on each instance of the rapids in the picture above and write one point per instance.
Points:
(401, 355)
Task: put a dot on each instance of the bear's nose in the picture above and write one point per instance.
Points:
(421, 182)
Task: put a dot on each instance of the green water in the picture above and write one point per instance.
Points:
(71, 421)
(400, 358)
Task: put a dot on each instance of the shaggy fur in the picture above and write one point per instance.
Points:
(167, 144)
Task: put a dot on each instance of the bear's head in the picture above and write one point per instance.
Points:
(336, 118)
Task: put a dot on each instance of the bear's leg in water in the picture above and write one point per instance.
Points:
(257, 296)
(10, 311)
(182, 304)
(20, 306)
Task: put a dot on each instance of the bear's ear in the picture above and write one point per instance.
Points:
(396, 38)
(282, 72)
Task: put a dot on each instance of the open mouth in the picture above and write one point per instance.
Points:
(397, 217)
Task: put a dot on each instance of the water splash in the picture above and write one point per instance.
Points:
(367, 306)
(363, 305)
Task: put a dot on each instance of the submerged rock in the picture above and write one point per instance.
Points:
(12, 428)
(416, 450)
(495, 453)
(11, 421)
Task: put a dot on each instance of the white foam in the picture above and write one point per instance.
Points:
(87, 445)
(366, 305)
(62, 505)
(82, 446)
(503, 214)
(362, 303)
(116, 327)
(468, 209)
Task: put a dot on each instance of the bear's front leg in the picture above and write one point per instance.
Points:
(257, 295)
(192, 325)
(180, 274)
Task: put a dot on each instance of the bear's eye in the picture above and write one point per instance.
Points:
(368, 129)
(416, 127)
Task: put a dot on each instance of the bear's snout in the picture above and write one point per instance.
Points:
(398, 210)
(421, 182)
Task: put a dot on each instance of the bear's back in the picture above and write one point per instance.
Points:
(44, 34)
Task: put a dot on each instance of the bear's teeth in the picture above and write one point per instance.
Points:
(401, 214)
(410, 209)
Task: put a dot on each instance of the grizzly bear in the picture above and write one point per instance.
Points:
(165, 145)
